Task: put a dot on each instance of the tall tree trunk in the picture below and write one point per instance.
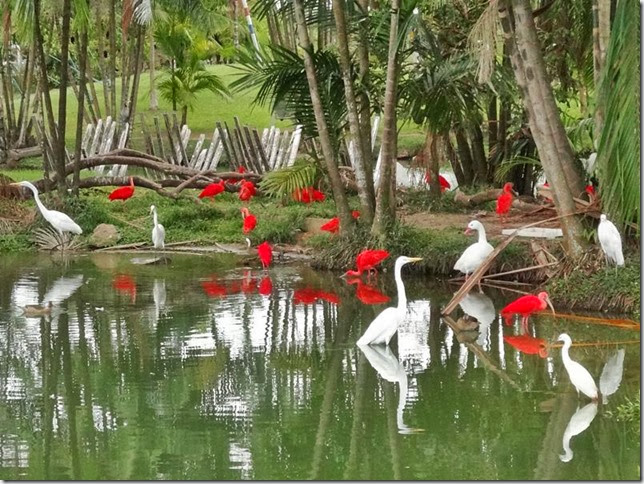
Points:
(105, 78)
(478, 153)
(529, 70)
(23, 119)
(346, 221)
(601, 37)
(386, 196)
(82, 59)
(112, 32)
(154, 102)
(453, 159)
(364, 176)
(431, 156)
(362, 49)
(492, 136)
(60, 160)
(465, 156)
(184, 115)
(93, 98)
(138, 66)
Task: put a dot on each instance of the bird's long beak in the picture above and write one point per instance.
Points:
(550, 304)
(14, 184)
(468, 231)
(415, 259)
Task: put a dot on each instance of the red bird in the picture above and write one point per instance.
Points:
(247, 191)
(441, 180)
(528, 344)
(590, 190)
(355, 214)
(213, 289)
(123, 193)
(367, 260)
(332, 225)
(241, 169)
(368, 294)
(303, 195)
(317, 195)
(504, 201)
(265, 286)
(265, 253)
(250, 221)
(213, 189)
(125, 284)
(525, 306)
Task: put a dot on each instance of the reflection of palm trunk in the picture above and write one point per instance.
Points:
(70, 394)
(358, 406)
(87, 382)
(392, 428)
(49, 384)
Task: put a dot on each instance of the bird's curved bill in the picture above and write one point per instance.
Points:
(550, 304)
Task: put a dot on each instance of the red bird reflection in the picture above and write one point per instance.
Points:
(265, 286)
(368, 294)
(213, 289)
(248, 284)
(125, 284)
(308, 295)
(331, 297)
(528, 344)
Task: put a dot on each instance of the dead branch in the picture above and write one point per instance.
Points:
(477, 198)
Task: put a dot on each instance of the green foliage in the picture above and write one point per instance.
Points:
(16, 242)
(419, 201)
(504, 170)
(282, 183)
(629, 411)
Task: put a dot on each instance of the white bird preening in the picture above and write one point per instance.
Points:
(158, 232)
(610, 240)
(579, 422)
(60, 221)
(383, 328)
(476, 253)
(580, 377)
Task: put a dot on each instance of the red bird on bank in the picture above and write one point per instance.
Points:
(368, 294)
(250, 221)
(525, 306)
(367, 260)
(504, 202)
(265, 252)
(308, 195)
(528, 344)
(213, 189)
(331, 226)
(441, 180)
(123, 193)
(317, 195)
(247, 191)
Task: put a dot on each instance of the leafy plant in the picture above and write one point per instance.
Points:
(284, 182)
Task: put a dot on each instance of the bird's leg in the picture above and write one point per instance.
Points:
(524, 324)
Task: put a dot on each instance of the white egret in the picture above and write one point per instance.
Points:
(610, 240)
(60, 221)
(476, 253)
(383, 328)
(158, 232)
(579, 422)
(579, 376)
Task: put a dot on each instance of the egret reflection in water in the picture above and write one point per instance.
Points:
(481, 307)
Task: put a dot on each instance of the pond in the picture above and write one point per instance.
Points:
(202, 368)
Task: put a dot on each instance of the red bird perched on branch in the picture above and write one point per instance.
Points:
(265, 252)
(247, 191)
(441, 179)
(525, 306)
(504, 201)
(367, 260)
(528, 344)
(368, 294)
(213, 189)
(123, 193)
(250, 221)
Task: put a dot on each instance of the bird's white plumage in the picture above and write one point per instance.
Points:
(579, 422)
(476, 253)
(383, 328)
(610, 241)
(158, 231)
(60, 221)
(579, 376)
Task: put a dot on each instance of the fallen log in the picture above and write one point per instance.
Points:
(15, 155)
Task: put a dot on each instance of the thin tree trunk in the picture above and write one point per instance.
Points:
(62, 97)
(362, 48)
(321, 30)
(601, 37)
(478, 153)
(125, 79)
(386, 197)
(465, 156)
(81, 103)
(346, 221)
(184, 115)
(138, 66)
(453, 159)
(89, 81)
(112, 31)
(23, 120)
(364, 176)
(431, 155)
(492, 136)
(103, 68)
(154, 102)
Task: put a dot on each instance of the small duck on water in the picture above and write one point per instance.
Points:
(37, 310)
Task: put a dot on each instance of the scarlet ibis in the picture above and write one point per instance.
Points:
(158, 231)
(213, 289)
(444, 184)
(332, 225)
(265, 286)
(123, 193)
(367, 260)
(241, 169)
(504, 201)
(247, 191)
(590, 190)
(579, 376)
(525, 306)
(303, 195)
(125, 284)
(383, 328)
(476, 253)
(250, 221)
(355, 214)
(528, 344)
(317, 195)
(60, 221)
(213, 189)
(368, 294)
(265, 252)
(610, 241)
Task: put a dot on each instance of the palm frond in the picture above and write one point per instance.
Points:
(23, 14)
(282, 183)
(503, 170)
(50, 239)
(143, 12)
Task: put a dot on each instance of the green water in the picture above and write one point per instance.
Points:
(187, 371)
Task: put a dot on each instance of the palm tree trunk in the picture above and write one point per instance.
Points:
(453, 159)
(112, 32)
(601, 37)
(531, 76)
(62, 97)
(465, 156)
(386, 197)
(23, 119)
(96, 107)
(362, 49)
(431, 155)
(138, 65)
(478, 153)
(103, 68)
(364, 176)
(154, 102)
(346, 221)
(82, 59)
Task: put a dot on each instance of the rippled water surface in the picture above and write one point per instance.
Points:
(205, 369)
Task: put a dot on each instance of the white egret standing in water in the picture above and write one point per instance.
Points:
(610, 240)
(383, 328)
(60, 221)
(579, 376)
(158, 231)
